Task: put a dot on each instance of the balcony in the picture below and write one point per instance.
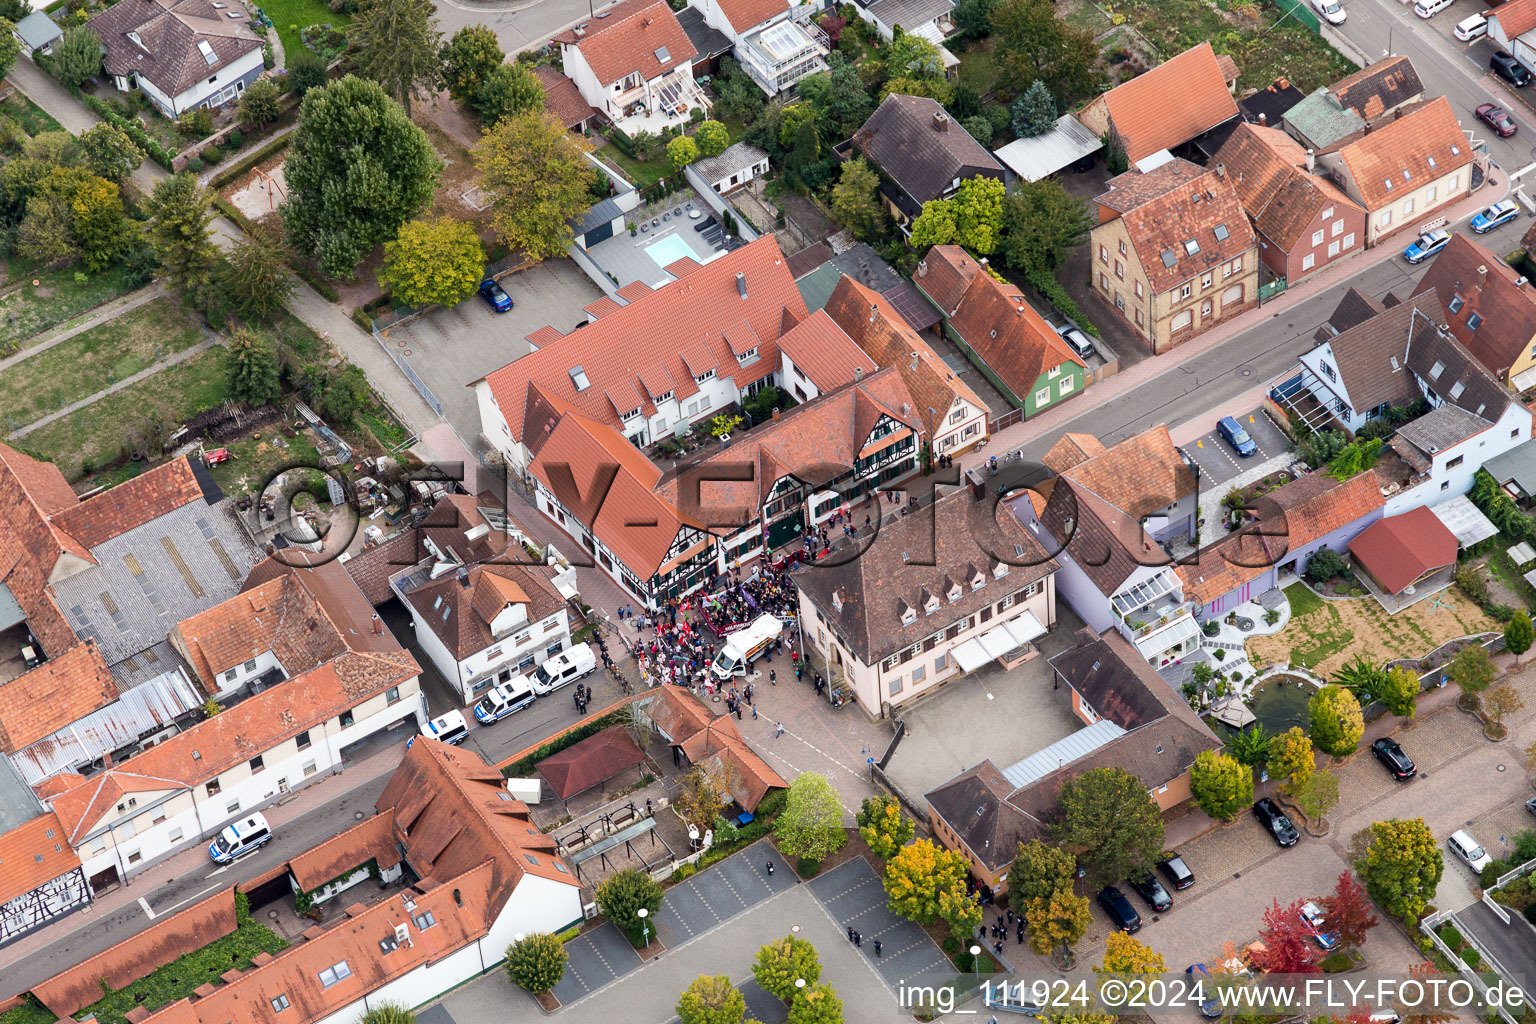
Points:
(1145, 621)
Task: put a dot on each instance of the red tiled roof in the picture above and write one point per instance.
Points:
(81, 808)
(470, 610)
(33, 853)
(1138, 475)
(31, 546)
(1264, 166)
(1172, 205)
(562, 98)
(1172, 103)
(1516, 18)
(131, 504)
(1419, 143)
(372, 839)
(704, 736)
(1398, 550)
(591, 762)
(601, 307)
(827, 356)
(746, 14)
(42, 481)
(281, 616)
(705, 305)
(57, 693)
(1073, 450)
(629, 38)
(1508, 309)
(945, 274)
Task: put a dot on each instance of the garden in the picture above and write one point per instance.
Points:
(40, 299)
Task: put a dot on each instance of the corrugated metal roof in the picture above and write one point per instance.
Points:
(1064, 751)
(1043, 155)
(144, 709)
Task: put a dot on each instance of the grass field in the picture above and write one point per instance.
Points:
(978, 68)
(96, 433)
(1263, 50)
(291, 15)
(56, 298)
(256, 460)
(93, 360)
(32, 118)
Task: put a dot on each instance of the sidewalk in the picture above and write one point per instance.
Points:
(87, 320)
(1053, 421)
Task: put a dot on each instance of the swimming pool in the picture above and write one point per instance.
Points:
(668, 250)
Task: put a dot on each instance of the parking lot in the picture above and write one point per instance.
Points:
(1219, 462)
(448, 348)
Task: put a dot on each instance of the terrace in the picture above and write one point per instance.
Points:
(680, 226)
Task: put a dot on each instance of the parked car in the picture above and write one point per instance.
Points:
(1474, 27)
(496, 295)
(1331, 10)
(1076, 339)
(505, 699)
(1530, 805)
(1210, 1006)
(1512, 71)
(1233, 433)
(448, 728)
(1152, 891)
(1312, 917)
(1119, 910)
(240, 838)
(1177, 872)
(1392, 757)
(1275, 822)
(1426, 245)
(1501, 212)
(1430, 8)
(1497, 118)
(1468, 851)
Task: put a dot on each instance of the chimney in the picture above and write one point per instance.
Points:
(1221, 170)
(940, 122)
(775, 415)
(922, 268)
(1311, 161)
(858, 374)
(872, 309)
(914, 361)
(1482, 277)
(378, 625)
(646, 23)
(1367, 128)
(741, 284)
(1263, 119)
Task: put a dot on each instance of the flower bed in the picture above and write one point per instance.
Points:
(325, 41)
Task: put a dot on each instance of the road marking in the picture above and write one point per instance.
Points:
(189, 899)
(147, 912)
(217, 871)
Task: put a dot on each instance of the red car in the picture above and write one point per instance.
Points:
(215, 456)
(1497, 118)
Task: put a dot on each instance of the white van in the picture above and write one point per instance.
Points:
(1469, 851)
(504, 699)
(566, 667)
(1475, 27)
(450, 728)
(247, 835)
(1430, 8)
(745, 645)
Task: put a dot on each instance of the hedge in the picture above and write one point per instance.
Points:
(132, 127)
(248, 161)
(1046, 284)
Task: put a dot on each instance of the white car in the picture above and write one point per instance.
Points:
(1474, 27)
(1468, 851)
(1331, 10)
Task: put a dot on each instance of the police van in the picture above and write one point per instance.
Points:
(566, 667)
(449, 728)
(240, 838)
(504, 699)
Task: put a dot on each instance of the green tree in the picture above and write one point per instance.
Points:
(389, 1013)
(1472, 670)
(1107, 816)
(1519, 634)
(253, 368)
(978, 209)
(508, 89)
(1220, 784)
(1251, 746)
(397, 43)
(856, 199)
(934, 226)
(1125, 955)
(780, 962)
(915, 877)
(472, 53)
(682, 151)
(960, 910)
(1402, 866)
(256, 276)
(937, 89)
(817, 1004)
(913, 57)
(847, 104)
(179, 216)
(1034, 113)
(10, 46)
(1502, 701)
(357, 169)
(437, 261)
(1317, 795)
(536, 963)
(1290, 756)
(711, 999)
(306, 71)
(1063, 917)
(1041, 224)
(538, 177)
(883, 827)
(1033, 44)
(806, 150)
(345, 394)
(1038, 870)
(55, 148)
(811, 824)
(46, 235)
(76, 56)
(974, 17)
(1337, 724)
(712, 138)
(109, 153)
(978, 128)
(1398, 690)
(259, 104)
(100, 229)
(622, 896)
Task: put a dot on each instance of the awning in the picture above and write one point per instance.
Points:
(971, 655)
(1176, 633)
(1521, 553)
(1524, 380)
(1025, 628)
(1465, 520)
(997, 642)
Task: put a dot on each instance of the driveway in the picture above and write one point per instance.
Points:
(1513, 945)
(449, 348)
(1218, 461)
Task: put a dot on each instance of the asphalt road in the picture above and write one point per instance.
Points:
(521, 24)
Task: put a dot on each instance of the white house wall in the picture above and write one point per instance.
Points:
(1446, 481)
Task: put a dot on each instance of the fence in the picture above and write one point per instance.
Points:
(405, 368)
(713, 200)
(1427, 926)
(1007, 419)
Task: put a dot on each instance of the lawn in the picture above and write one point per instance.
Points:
(298, 336)
(97, 433)
(289, 16)
(93, 360)
(978, 68)
(182, 976)
(56, 298)
(256, 460)
(1288, 50)
(641, 174)
(1322, 635)
(32, 118)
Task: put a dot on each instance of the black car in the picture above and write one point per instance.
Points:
(1390, 754)
(1512, 71)
(1274, 820)
(1119, 910)
(1152, 891)
(1176, 871)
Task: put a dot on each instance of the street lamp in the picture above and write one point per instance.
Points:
(799, 983)
(645, 926)
(518, 937)
(976, 961)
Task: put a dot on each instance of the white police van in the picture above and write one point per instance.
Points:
(505, 699)
(449, 728)
(240, 838)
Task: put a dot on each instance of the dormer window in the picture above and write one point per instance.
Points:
(665, 396)
(908, 615)
(954, 592)
(749, 356)
(632, 413)
(978, 581)
(932, 606)
(706, 375)
(1436, 370)
(1000, 570)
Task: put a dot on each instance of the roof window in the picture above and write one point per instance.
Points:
(1191, 246)
(1388, 183)
(1221, 232)
(1407, 174)
(334, 973)
(1455, 150)
(1431, 162)
(579, 378)
(206, 49)
(1457, 389)
(1456, 303)
(1169, 259)
(663, 54)
(1474, 321)
(1436, 370)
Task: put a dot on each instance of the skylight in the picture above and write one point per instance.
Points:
(206, 49)
(663, 54)
(1457, 389)
(579, 378)
(1388, 182)
(1221, 232)
(1191, 247)
(1407, 174)
(1169, 259)
(1436, 370)
(1431, 162)
(1455, 150)
(1474, 321)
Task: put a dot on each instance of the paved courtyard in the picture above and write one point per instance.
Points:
(1218, 461)
(855, 898)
